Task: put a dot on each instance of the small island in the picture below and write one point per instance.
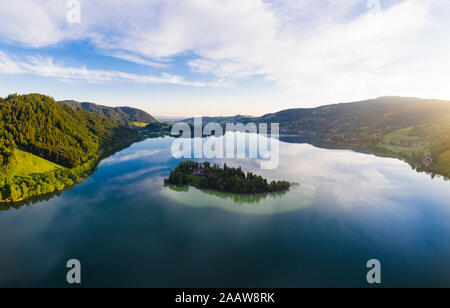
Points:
(226, 179)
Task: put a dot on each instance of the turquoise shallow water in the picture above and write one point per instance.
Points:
(127, 229)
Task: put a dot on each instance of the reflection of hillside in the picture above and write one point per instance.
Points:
(237, 198)
(415, 163)
(179, 188)
(328, 145)
(31, 201)
(313, 141)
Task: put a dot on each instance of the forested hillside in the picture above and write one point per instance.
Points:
(413, 129)
(382, 115)
(222, 120)
(122, 115)
(74, 139)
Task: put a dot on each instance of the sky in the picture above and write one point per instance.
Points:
(224, 57)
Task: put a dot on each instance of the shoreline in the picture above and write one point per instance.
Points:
(377, 151)
(353, 147)
(83, 177)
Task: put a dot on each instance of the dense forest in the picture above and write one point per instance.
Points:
(226, 179)
(122, 115)
(154, 130)
(74, 139)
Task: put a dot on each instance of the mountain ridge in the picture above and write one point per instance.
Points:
(123, 115)
(379, 100)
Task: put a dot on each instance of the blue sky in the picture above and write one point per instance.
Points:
(224, 57)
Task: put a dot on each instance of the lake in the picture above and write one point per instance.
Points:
(127, 229)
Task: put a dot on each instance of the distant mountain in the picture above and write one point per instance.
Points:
(123, 115)
(223, 120)
(384, 113)
(163, 119)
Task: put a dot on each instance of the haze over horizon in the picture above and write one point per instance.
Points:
(221, 58)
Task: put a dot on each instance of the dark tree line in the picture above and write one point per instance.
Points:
(225, 179)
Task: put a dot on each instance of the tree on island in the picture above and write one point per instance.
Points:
(226, 179)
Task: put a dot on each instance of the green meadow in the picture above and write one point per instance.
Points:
(28, 164)
(443, 163)
(139, 124)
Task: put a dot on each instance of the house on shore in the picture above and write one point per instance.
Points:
(427, 159)
(198, 172)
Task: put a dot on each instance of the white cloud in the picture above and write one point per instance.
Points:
(7, 66)
(134, 156)
(321, 51)
(30, 23)
(47, 67)
(127, 178)
(138, 60)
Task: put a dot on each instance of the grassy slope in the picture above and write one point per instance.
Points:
(139, 124)
(429, 137)
(443, 163)
(28, 164)
(404, 135)
(406, 150)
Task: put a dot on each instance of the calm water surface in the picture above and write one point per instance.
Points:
(129, 230)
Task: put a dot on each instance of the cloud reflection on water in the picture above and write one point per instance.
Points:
(345, 200)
